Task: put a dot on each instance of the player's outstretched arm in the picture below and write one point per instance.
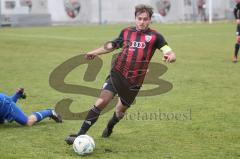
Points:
(168, 55)
(107, 48)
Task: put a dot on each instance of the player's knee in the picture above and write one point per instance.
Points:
(29, 124)
(119, 114)
(105, 102)
(238, 40)
(31, 120)
(101, 103)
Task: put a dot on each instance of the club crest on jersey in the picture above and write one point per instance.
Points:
(148, 38)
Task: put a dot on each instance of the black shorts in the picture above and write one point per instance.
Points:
(238, 30)
(109, 86)
(117, 84)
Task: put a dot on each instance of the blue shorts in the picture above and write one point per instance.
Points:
(11, 112)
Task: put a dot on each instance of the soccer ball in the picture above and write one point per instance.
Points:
(83, 145)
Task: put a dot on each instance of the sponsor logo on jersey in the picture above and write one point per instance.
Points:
(148, 38)
(136, 44)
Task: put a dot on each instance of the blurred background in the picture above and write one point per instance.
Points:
(54, 12)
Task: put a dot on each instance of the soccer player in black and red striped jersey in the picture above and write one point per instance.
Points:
(138, 45)
(236, 13)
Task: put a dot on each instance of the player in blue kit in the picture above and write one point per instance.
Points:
(9, 111)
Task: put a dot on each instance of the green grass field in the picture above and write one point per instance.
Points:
(204, 79)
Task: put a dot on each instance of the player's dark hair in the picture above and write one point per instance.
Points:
(141, 8)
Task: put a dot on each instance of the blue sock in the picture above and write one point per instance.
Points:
(43, 114)
(15, 97)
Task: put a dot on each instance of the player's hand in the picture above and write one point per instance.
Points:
(90, 56)
(238, 21)
(169, 57)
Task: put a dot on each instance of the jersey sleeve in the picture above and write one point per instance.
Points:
(160, 42)
(118, 42)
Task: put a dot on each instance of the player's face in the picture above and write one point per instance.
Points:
(142, 21)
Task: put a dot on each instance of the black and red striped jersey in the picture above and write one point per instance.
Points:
(236, 11)
(138, 48)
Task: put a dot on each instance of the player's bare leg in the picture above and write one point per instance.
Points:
(105, 97)
(32, 119)
(93, 114)
(117, 116)
(236, 49)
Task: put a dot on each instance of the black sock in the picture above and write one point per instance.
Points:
(91, 118)
(236, 49)
(113, 121)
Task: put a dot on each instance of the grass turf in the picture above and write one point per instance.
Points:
(205, 90)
